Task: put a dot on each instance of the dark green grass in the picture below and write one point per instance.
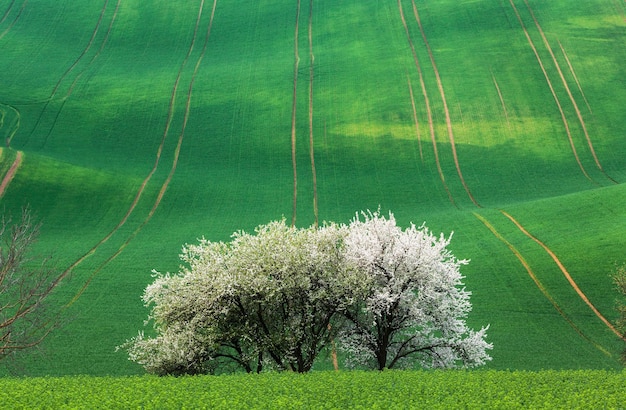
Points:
(88, 150)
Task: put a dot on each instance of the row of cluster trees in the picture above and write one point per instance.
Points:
(389, 298)
(386, 297)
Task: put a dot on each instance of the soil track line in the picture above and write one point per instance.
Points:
(19, 14)
(74, 64)
(311, 145)
(80, 74)
(168, 123)
(6, 13)
(8, 177)
(571, 69)
(569, 92)
(293, 116)
(566, 274)
(415, 121)
(176, 152)
(445, 105)
(18, 117)
(538, 283)
(429, 113)
(556, 99)
(506, 114)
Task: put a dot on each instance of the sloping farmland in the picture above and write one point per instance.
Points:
(134, 127)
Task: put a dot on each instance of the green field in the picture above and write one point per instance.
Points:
(142, 126)
(572, 389)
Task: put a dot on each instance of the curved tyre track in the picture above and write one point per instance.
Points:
(8, 177)
(431, 125)
(556, 99)
(569, 92)
(165, 185)
(6, 14)
(566, 274)
(506, 114)
(311, 142)
(445, 105)
(67, 72)
(415, 121)
(16, 127)
(538, 283)
(8, 10)
(571, 69)
(296, 65)
(80, 74)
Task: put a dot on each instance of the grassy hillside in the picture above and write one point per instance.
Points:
(142, 126)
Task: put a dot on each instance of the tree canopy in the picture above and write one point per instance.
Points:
(276, 298)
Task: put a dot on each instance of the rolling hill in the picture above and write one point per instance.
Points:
(133, 127)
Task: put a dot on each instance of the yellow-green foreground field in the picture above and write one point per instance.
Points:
(327, 390)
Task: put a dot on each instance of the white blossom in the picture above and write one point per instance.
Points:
(276, 297)
(415, 308)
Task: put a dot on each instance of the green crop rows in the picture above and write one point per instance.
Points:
(145, 125)
(326, 390)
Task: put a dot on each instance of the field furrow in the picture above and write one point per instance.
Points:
(144, 184)
(7, 11)
(567, 89)
(571, 70)
(554, 96)
(415, 120)
(8, 177)
(14, 124)
(83, 70)
(166, 184)
(429, 114)
(504, 110)
(311, 142)
(296, 66)
(445, 105)
(538, 283)
(65, 74)
(17, 17)
(144, 126)
(566, 274)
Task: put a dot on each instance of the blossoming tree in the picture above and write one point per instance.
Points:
(415, 308)
(261, 300)
(276, 298)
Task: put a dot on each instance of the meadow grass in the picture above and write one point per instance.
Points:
(111, 105)
(326, 390)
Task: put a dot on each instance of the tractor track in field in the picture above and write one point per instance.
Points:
(165, 185)
(8, 177)
(80, 74)
(445, 105)
(554, 96)
(415, 120)
(506, 114)
(296, 66)
(567, 275)
(311, 142)
(67, 72)
(569, 92)
(16, 127)
(431, 125)
(7, 11)
(538, 283)
(571, 70)
(6, 14)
